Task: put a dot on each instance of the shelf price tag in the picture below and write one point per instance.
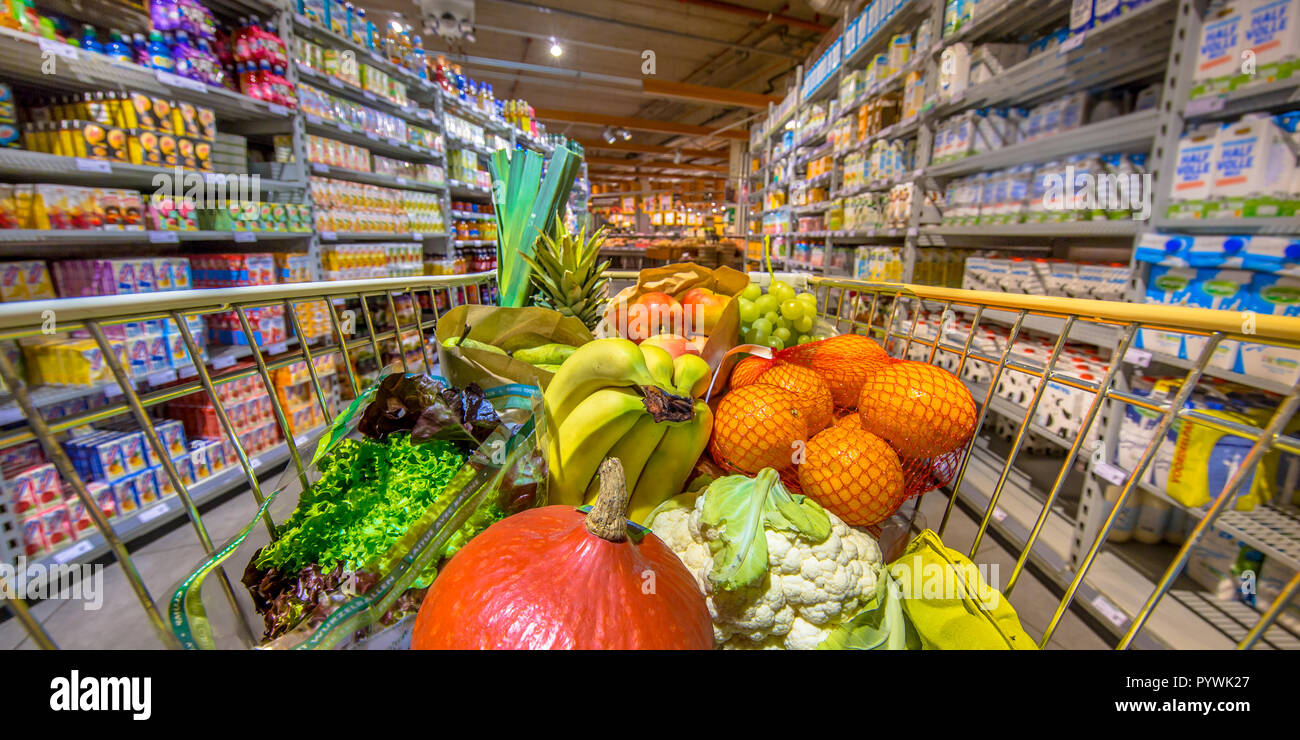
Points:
(162, 377)
(397, 142)
(94, 165)
(1071, 43)
(417, 236)
(163, 237)
(75, 551)
(912, 231)
(153, 512)
(58, 49)
(1112, 613)
(275, 349)
(344, 127)
(175, 80)
(400, 180)
(336, 82)
(329, 236)
(313, 119)
(320, 167)
(372, 136)
(368, 95)
(1139, 357)
(1112, 474)
(277, 110)
(245, 237)
(1202, 106)
(999, 514)
(221, 362)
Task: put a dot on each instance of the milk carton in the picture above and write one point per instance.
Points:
(1221, 290)
(1218, 55)
(1193, 172)
(1081, 15)
(1162, 249)
(1278, 255)
(1271, 31)
(1273, 295)
(1170, 286)
(1217, 251)
(1105, 10)
(1252, 158)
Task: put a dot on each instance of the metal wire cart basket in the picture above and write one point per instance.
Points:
(1110, 432)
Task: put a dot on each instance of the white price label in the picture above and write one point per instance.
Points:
(368, 95)
(329, 236)
(94, 165)
(245, 237)
(871, 232)
(153, 512)
(112, 390)
(59, 49)
(1116, 476)
(417, 236)
(1112, 613)
(372, 136)
(336, 82)
(1203, 106)
(1139, 357)
(320, 167)
(277, 110)
(400, 180)
(275, 349)
(377, 58)
(313, 119)
(175, 80)
(1071, 43)
(189, 371)
(999, 514)
(344, 128)
(399, 142)
(77, 550)
(163, 237)
(221, 362)
(162, 377)
(255, 463)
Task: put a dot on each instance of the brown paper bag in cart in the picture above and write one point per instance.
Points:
(675, 280)
(508, 328)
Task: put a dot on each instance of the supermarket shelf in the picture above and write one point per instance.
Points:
(1262, 226)
(1263, 384)
(1065, 229)
(465, 190)
(541, 147)
(1126, 49)
(1133, 132)
(820, 151)
(12, 237)
(77, 70)
(454, 142)
(903, 19)
(459, 108)
(45, 396)
(473, 215)
(344, 236)
(372, 178)
(156, 515)
(329, 83)
(303, 27)
(869, 233)
(1009, 409)
(1007, 19)
(817, 135)
(381, 145)
(474, 242)
(1267, 96)
(809, 208)
(1099, 335)
(1235, 619)
(18, 163)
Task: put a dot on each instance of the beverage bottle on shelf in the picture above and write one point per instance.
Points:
(88, 41)
(183, 56)
(371, 31)
(276, 51)
(418, 60)
(160, 55)
(116, 47)
(349, 19)
(140, 50)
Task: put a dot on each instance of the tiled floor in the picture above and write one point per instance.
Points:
(121, 623)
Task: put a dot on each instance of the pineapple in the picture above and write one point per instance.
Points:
(566, 276)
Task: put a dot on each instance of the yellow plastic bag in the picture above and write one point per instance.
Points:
(949, 603)
(1205, 458)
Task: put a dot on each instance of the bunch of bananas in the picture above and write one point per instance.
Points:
(612, 398)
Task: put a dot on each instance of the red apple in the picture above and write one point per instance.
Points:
(652, 313)
(702, 310)
(674, 344)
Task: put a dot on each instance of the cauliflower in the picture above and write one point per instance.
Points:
(778, 571)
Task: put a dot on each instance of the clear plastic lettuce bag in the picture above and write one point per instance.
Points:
(384, 510)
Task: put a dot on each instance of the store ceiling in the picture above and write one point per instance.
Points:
(752, 46)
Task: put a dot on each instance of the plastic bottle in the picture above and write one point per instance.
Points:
(116, 47)
(140, 49)
(1152, 520)
(88, 41)
(1122, 531)
(160, 56)
(183, 56)
(164, 14)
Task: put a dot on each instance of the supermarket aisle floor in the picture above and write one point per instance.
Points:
(121, 623)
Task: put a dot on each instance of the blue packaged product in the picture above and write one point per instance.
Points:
(1277, 255)
(1217, 251)
(1219, 290)
(1273, 295)
(1162, 249)
(1170, 286)
(1081, 15)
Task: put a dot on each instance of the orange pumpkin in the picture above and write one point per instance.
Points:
(555, 578)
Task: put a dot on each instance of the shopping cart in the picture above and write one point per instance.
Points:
(911, 321)
(379, 319)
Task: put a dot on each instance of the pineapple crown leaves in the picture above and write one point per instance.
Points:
(565, 273)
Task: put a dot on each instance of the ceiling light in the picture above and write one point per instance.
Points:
(624, 134)
(677, 157)
(608, 135)
(556, 49)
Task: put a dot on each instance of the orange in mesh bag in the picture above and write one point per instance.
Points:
(903, 436)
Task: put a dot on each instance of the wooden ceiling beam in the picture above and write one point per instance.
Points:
(705, 94)
(635, 124)
(720, 169)
(627, 146)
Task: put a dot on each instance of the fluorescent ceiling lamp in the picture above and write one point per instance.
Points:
(556, 49)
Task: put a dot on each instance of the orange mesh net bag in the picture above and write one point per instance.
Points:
(847, 425)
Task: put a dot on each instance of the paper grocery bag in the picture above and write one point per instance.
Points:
(508, 328)
(676, 280)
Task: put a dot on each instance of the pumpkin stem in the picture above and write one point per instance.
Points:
(608, 516)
